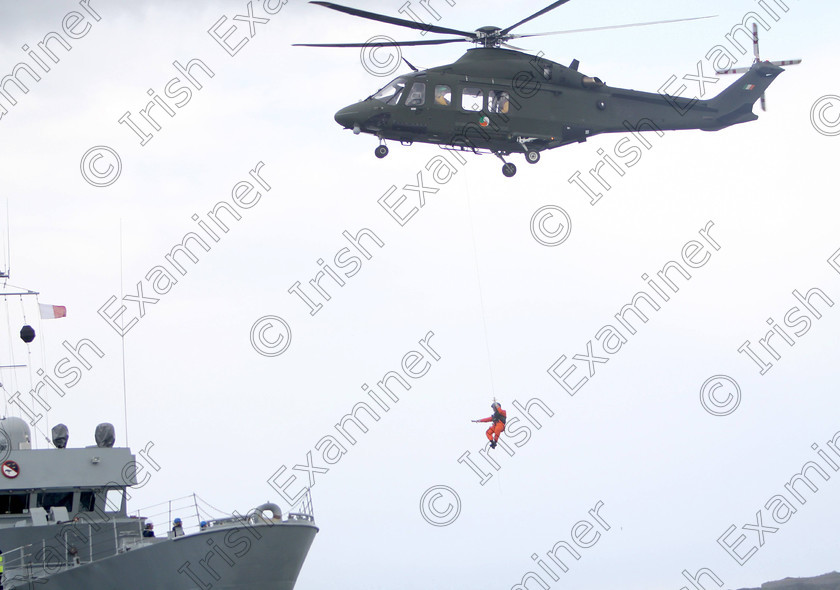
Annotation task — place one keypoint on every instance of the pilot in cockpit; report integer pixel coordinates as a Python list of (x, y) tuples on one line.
[(415, 97)]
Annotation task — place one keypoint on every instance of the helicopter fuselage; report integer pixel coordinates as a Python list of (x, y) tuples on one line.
[(506, 102)]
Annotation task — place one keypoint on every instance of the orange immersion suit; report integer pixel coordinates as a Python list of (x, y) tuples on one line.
[(497, 427)]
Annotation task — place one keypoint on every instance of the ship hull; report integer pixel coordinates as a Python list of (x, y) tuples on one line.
[(267, 557)]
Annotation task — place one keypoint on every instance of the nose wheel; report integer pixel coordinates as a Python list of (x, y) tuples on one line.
[(381, 151), (508, 168)]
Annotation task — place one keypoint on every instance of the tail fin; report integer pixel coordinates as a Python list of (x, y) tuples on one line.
[(735, 103)]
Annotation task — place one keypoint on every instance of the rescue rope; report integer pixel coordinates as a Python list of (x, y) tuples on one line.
[(480, 291)]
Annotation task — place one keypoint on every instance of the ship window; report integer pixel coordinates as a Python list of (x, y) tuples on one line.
[(392, 92), (14, 503), (113, 500), (87, 501), (498, 102), (417, 95), (47, 500), (472, 99), (443, 95)]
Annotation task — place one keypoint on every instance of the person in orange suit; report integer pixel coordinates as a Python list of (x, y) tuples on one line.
[(497, 427)]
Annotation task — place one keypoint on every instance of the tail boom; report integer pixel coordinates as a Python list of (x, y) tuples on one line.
[(735, 103)]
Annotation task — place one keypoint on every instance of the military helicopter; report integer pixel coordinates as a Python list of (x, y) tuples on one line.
[(503, 101)]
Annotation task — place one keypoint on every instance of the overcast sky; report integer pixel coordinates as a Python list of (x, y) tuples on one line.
[(669, 477)]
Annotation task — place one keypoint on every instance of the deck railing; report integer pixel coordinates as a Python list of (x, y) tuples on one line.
[(193, 510), (74, 545), (303, 510), (78, 543)]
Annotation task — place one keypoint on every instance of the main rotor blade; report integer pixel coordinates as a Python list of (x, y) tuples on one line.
[(658, 22), (533, 16), (394, 21), (384, 43)]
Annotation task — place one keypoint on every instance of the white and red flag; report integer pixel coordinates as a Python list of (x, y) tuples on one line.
[(51, 312)]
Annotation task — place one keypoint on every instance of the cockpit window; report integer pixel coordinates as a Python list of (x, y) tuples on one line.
[(392, 92), (472, 99), (417, 95)]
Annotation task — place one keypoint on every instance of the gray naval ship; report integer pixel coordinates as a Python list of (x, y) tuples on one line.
[(64, 526)]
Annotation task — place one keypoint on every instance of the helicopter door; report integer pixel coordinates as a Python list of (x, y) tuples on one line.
[(499, 110), (492, 118), (416, 117), (469, 114)]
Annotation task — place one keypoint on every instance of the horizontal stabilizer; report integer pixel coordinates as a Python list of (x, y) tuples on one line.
[(735, 103), (734, 71), (784, 62)]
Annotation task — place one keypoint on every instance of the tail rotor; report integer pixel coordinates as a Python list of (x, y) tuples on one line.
[(786, 62)]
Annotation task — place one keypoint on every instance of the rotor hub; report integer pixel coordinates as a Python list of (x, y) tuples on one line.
[(489, 37)]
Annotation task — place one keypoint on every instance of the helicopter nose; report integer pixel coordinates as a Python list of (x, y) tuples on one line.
[(347, 117)]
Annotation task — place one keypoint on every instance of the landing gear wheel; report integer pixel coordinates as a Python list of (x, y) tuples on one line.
[(509, 169), (381, 151), (532, 157)]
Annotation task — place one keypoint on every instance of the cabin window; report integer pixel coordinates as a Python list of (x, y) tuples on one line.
[(87, 501), (14, 503), (392, 92), (47, 500), (498, 102), (472, 99), (417, 95), (443, 95)]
